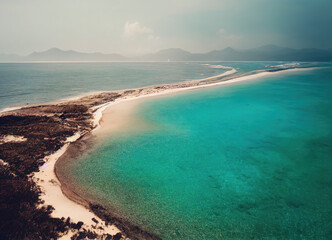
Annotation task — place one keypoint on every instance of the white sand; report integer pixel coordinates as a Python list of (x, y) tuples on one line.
[(53, 195)]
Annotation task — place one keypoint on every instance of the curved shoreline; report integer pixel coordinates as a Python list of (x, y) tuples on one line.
[(80, 146), (74, 193), (97, 104)]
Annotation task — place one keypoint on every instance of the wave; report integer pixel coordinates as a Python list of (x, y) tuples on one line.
[(218, 66), (292, 64)]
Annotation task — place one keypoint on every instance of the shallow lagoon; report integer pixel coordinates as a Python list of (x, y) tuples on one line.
[(252, 160)]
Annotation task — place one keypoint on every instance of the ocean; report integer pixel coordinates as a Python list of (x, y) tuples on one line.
[(33, 83), (246, 161), (251, 160)]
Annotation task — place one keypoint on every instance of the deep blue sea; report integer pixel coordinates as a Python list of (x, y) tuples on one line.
[(246, 161), (31, 83)]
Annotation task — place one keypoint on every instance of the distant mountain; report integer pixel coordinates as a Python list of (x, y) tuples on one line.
[(55, 54), (270, 53), (264, 53), (171, 54), (10, 58)]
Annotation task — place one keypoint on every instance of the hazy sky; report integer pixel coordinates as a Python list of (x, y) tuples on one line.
[(141, 26)]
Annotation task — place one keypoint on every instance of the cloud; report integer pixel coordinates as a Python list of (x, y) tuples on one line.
[(134, 30)]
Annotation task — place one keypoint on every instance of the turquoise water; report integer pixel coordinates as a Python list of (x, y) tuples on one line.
[(29, 83), (252, 160), (247, 161)]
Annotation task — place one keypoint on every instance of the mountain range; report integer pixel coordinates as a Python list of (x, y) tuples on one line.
[(264, 53)]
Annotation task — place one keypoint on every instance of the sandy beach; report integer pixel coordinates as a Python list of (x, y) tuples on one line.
[(111, 112)]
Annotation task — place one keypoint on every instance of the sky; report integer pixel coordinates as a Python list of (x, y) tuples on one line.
[(134, 27)]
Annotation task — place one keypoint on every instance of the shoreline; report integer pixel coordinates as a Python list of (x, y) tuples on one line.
[(49, 180), (69, 190)]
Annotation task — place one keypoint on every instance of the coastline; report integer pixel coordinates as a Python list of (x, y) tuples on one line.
[(82, 145), (55, 190), (54, 195)]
